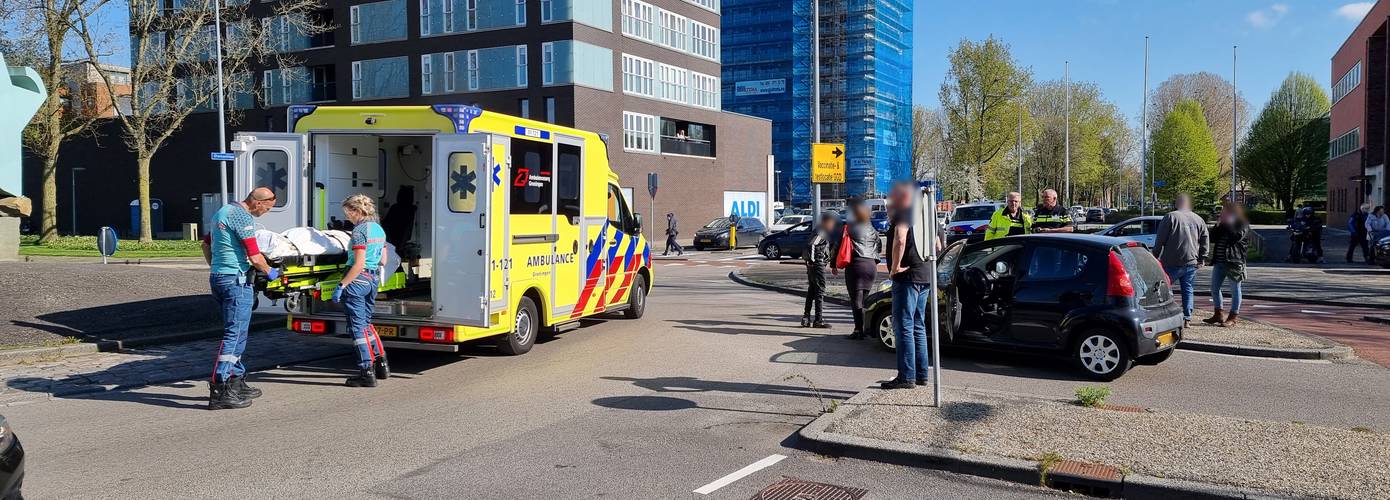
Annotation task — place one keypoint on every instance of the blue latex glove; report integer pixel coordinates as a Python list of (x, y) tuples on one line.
[(273, 275), (338, 293)]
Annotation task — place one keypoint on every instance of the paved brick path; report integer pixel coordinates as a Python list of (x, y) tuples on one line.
[(24, 382)]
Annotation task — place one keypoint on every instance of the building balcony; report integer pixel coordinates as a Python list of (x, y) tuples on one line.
[(686, 146)]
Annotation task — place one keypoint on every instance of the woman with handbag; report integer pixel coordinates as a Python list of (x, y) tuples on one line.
[(1229, 240), (857, 253)]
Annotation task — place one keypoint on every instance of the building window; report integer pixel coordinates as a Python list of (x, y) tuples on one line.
[(1348, 82), (704, 41), (520, 12), (448, 16), (687, 138), (426, 74), (356, 80), (523, 107), (425, 17), (521, 77), (1347, 143), (673, 83), (547, 11), (384, 78), (449, 72), (550, 110), (704, 91), (472, 70), (375, 22), (355, 20), (639, 132), (638, 77), (673, 30), (710, 5), (470, 21), (547, 63), (638, 18)]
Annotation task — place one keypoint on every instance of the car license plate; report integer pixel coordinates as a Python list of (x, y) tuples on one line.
[(387, 331), (1165, 339)]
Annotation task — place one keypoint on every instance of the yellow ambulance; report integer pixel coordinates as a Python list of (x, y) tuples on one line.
[(504, 227)]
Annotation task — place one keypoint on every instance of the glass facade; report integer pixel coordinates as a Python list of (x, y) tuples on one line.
[(377, 22), (866, 68), (381, 78), (573, 62), (595, 13)]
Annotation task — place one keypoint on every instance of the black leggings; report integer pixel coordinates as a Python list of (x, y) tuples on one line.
[(856, 307)]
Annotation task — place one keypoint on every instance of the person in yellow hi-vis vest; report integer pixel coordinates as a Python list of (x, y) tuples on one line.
[(1010, 219), (733, 231)]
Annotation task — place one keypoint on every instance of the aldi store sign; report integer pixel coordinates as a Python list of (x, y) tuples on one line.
[(746, 204)]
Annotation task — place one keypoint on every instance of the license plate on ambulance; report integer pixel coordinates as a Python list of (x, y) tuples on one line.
[(388, 331)]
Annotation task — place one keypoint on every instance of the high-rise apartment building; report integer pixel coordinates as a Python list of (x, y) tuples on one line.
[(866, 86)]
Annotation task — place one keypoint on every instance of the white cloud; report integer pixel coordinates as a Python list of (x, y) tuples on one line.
[(1268, 17), (1354, 11)]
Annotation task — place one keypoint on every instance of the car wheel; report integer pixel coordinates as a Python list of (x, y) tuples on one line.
[(881, 327), (637, 299), (1102, 355), (772, 251), (524, 329), (1154, 359)]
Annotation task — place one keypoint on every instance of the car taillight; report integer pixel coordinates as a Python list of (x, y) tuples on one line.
[(1119, 284), (437, 335), (310, 326)]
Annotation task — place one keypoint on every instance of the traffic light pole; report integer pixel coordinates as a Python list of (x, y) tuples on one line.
[(815, 97)]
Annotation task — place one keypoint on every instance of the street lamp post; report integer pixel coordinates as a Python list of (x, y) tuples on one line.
[(75, 170), (1066, 76), (221, 100), (815, 96)]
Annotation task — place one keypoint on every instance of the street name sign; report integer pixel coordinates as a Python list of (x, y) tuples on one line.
[(827, 163), (219, 156)]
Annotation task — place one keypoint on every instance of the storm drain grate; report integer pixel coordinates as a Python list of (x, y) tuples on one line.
[(1130, 409), (1084, 478), (790, 488)]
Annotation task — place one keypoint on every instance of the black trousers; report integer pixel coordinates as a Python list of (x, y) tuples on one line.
[(1359, 240), (672, 245), (815, 291)]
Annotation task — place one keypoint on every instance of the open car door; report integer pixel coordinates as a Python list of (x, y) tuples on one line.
[(278, 161), (461, 205)]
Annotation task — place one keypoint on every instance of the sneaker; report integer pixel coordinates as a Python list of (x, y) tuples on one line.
[(820, 324), (897, 383), (921, 381), (805, 322)]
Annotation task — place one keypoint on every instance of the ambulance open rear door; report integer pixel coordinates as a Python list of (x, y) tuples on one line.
[(461, 208), (278, 161)]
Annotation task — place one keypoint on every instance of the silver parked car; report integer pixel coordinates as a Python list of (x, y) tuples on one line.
[(1141, 229)]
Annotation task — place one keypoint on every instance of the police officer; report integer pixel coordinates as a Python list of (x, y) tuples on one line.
[(1049, 217), (230, 250), (1010, 219)]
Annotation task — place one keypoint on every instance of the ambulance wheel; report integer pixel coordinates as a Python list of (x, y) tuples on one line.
[(524, 329), (637, 299), (383, 370)]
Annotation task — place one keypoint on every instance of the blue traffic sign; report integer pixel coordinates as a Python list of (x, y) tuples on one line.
[(1160, 183), (219, 156)]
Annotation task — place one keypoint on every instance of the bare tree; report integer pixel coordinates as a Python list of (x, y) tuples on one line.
[(46, 30), (173, 71), (1214, 94)]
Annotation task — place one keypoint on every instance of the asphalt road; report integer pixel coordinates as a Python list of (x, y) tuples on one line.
[(709, 382)]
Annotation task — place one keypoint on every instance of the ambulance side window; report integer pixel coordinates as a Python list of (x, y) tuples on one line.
[(618, 214), (567, 167), (531, 177)]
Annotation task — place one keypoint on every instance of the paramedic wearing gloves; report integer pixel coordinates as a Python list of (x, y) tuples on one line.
[(231, 251), (357, 291)]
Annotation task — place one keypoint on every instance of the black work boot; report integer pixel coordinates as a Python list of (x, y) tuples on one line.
[(221, 396), (366, 377), (245, 391)]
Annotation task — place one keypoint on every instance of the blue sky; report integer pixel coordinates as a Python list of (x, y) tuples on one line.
[(1104, 40)]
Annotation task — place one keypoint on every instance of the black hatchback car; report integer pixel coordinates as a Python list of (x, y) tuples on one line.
[(1102, 302), (716, 234), (11, 462), (789, 242)]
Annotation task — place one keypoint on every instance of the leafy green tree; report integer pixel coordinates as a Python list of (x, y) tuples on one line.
[(1099, 142), (1185, 159), (983, 99), (1285, 153)]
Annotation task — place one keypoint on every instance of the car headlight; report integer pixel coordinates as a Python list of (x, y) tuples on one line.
[(885, 286), (6, 434)]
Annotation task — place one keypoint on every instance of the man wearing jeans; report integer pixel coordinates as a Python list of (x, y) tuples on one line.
[(911, 275), (1180, 244), (230, 249)]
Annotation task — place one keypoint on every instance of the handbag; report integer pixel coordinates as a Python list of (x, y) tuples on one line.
[(845, 250)]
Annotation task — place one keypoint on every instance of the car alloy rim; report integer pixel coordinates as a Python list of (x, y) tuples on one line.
[(885, 331), (771, 251), (1099, 354), (523, 326)]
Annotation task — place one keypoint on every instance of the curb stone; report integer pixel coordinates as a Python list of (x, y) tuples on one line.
[(1328, 353), (1288, 300), (40, 353), (817, 438)]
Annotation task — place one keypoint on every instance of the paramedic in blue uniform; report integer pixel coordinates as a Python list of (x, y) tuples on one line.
[(230, 250), (357, 291)]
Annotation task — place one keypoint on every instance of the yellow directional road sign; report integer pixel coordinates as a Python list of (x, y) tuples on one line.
[(827, 163)]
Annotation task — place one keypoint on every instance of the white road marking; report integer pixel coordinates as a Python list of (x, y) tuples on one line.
[(740, 474), (1310, 311), (1263, 306), (675, 263), (702, 265)]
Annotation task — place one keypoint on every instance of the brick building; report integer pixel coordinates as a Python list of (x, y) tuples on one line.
[(87, 93), (1357, 153)]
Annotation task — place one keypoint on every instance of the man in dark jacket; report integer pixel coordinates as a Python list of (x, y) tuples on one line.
[(1356, 225), (817, 257), (671, 233)]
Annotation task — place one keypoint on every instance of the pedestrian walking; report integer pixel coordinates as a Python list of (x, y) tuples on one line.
[(1378, 224), (862, 267), (1180, 245), (817, 257), (911, 278), (357, 289), (231, 252), (1229, 239), (671, 233), (1360, 237)]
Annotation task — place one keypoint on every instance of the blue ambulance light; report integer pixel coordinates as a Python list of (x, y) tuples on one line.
[(460, 114)]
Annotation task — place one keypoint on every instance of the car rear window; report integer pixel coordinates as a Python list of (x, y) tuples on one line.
[(1144, 272)]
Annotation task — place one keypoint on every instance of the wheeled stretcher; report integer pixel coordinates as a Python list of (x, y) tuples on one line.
[(314, 261)]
